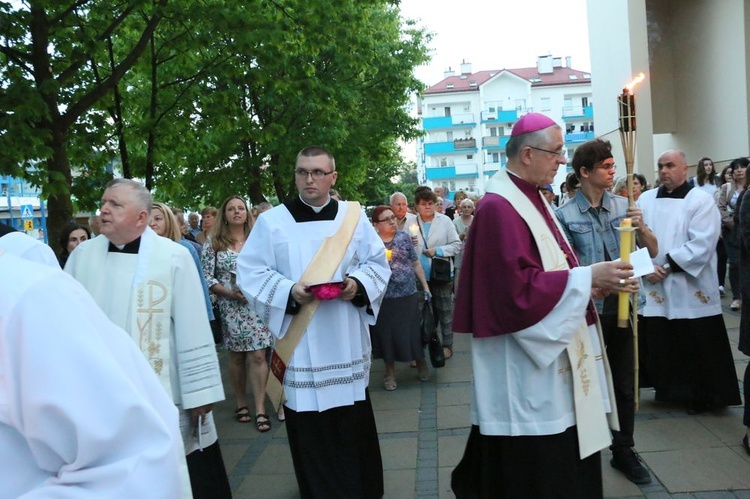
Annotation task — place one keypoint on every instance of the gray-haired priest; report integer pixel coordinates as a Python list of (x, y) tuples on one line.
[(149, 286)]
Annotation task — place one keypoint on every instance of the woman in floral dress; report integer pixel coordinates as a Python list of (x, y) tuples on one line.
[(245, 335)]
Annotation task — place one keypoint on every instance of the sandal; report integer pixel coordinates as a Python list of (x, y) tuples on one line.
[(242, 415), (389, 383), (447, 352), (424, 372), (262, 425)]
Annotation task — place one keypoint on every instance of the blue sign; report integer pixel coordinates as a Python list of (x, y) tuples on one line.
[(27, 211)]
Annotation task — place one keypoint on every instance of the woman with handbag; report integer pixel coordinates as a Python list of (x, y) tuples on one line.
[(396, 335), (245, 335), (437, 241), (728, 196)]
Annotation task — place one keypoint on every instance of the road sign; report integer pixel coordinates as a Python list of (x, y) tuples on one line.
[(28, 224), (27, 211)]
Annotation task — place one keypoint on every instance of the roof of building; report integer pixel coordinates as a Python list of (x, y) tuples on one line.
[(471, 82)]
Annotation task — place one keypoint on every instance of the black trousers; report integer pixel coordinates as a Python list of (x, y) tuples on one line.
[(619, 344), (208, 477), (336, 453)]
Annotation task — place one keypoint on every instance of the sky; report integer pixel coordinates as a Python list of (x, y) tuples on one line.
[(497, 34)]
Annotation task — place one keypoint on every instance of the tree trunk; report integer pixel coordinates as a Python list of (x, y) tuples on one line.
[(59, 205)]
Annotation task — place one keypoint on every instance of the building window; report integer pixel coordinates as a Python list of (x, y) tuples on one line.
[(449, 136), (585, 102), (443, 161), (469, 156), (495, 157), (546, 106), (493, 131), (447, 111)]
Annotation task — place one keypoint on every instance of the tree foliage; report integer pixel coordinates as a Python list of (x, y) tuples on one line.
[(204, 98)]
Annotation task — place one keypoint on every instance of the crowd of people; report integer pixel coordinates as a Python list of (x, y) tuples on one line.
[(307, 293)]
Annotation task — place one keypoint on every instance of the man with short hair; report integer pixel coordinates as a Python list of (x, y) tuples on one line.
[(690, 359), (329, 420), (542, 394), (400, 207), (194, 224), (149, 286), (590, 221), (447, 203)]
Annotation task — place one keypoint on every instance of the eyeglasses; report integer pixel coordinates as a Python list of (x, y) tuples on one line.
[(316, 174), (389, 219), (562, 153), (606, 167)]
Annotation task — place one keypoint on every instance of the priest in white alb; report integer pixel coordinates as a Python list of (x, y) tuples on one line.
[(149, 286), (543, 401), (315, 271)]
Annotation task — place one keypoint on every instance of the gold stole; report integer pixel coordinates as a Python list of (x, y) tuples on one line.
[(591, 420), (320, 269)]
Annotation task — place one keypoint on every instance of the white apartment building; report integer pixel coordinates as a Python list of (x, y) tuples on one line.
[(695, 55), (468, 118)]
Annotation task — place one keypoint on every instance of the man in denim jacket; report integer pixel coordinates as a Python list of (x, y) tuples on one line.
[(590, 220)]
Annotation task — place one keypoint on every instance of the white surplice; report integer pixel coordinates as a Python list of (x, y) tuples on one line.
[(687, 229), (331, 364), (194, 375), (82, 414)]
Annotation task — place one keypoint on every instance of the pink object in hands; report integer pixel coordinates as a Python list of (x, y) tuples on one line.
[(327, 291)]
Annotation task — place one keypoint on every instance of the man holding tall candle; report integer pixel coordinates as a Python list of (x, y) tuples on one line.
[(542, 399), (590, 220), (689, 355)]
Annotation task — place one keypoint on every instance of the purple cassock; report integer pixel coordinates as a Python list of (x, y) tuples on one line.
[(503, 287)]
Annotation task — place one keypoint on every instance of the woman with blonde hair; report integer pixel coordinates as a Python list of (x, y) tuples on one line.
[(165, 224), (245, 335)]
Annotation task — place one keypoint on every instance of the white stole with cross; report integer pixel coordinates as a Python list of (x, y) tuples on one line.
[(591, 419)]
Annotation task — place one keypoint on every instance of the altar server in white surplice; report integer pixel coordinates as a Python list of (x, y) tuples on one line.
[(81, 412), (331, 428), (149, 286)]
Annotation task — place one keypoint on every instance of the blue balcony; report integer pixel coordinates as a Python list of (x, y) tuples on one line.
[(454, 146), (451, 172), (578, 113), (578, 137), (464, 120), (500, 116)]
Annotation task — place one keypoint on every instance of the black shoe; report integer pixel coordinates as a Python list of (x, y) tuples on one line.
[(630, 464), (745, 444)]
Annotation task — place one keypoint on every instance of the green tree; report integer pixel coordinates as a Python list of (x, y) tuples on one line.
[(50, 51)]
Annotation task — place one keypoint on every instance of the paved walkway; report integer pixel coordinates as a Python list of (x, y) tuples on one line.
[(423, 429)]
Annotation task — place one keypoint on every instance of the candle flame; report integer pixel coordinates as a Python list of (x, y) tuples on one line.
[(635, 81)]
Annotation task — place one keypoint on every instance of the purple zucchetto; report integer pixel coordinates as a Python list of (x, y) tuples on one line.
[(532, 122)]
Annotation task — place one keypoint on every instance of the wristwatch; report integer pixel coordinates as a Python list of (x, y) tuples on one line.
[(667, 268)]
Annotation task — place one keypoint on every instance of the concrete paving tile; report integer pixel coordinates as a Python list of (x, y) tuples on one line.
[(231, 454), (695, 470), (397, 420), (401, 398), (399, 453), (444, 483), (278, 486), (453, 416), (672, 434), (614, 483), (717, 494), (740, 364), (725, 424), (451, 450), (452, 374), (275, 459), (399, 484), (454, 395)]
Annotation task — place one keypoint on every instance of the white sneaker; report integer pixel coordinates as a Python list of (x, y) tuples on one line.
[(721, 291), (736, 305)]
